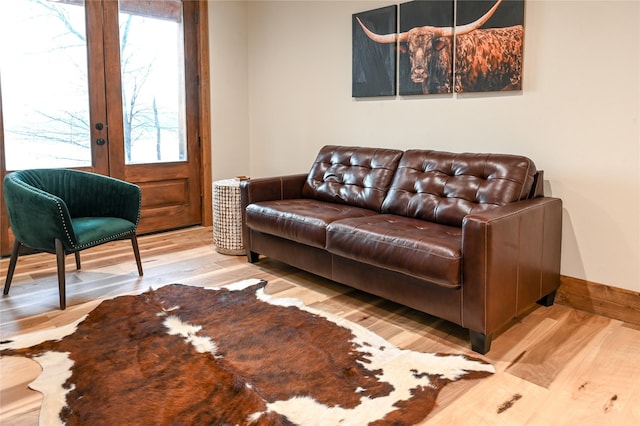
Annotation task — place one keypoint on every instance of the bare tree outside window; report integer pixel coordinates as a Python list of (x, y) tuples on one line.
[(43, 75), (152, 88)]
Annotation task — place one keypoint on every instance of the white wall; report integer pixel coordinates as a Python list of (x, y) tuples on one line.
[(229, 91), (577, 116)]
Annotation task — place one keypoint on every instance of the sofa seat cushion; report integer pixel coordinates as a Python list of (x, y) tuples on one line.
[(411, 246), (302, 220)]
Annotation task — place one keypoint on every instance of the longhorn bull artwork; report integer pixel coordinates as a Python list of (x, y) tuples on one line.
[(488, 48)]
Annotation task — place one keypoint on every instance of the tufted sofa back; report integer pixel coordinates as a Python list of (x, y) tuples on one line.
[(444, 187), (352, 175)]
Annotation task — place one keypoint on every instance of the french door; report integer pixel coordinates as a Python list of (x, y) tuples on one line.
[(110, 87)]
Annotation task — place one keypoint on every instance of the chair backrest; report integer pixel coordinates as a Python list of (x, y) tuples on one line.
[(42, 202)]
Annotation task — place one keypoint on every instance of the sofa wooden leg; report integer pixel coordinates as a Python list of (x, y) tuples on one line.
[(480, 342), (252, 256), (548, 299)]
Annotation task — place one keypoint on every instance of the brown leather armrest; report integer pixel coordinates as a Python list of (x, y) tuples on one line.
[(271, 188), (511, 259), (267, 189)]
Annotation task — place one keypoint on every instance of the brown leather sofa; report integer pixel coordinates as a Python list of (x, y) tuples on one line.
[(469, 238)]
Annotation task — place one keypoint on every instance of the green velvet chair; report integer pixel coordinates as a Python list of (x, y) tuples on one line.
[(65, 211)]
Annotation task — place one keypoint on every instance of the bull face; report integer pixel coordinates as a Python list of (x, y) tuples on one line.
[(424, 46)]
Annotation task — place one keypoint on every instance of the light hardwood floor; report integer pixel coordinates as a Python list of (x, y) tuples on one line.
[(555, 366)]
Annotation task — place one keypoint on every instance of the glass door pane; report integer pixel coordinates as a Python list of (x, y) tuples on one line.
[(153, 82), (43, 73)]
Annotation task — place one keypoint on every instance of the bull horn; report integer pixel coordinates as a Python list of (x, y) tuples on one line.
[(465, 29), (387, 38)]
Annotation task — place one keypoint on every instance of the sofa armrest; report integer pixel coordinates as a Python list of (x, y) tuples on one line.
[(272, 188), (267, 189), (511, 259)]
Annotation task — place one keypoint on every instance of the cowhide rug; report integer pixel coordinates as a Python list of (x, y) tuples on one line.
[(232, 355)]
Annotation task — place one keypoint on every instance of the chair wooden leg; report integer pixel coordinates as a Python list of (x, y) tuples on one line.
[(61, 278), (15, 252), (77, 254), (136, 252)]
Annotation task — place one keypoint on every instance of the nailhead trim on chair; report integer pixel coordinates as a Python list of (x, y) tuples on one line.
[(139, 210), (103, 240), (64, 225)]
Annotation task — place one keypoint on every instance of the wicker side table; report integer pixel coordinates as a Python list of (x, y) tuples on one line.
[(227, 217)]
